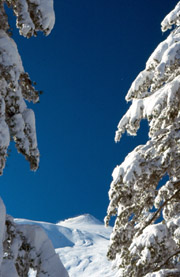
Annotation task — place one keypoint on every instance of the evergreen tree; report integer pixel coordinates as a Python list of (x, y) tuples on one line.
[(146, 234), (23, 248)]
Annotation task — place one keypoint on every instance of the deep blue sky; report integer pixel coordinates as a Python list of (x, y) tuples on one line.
[(85, 68)]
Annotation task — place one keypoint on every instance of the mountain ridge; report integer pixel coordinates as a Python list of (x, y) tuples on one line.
[(81, 243)]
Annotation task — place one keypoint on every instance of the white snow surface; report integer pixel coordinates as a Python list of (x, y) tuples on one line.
[(81, 243), (171, 19), (43, 18)]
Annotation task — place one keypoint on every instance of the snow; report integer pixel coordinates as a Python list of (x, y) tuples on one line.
[(8, 269), (148, 108), (32, 272), (161, 52), (81, 243), (47, 10), (137, 243), (9, 52), (2, 227), (42, 256), (34, 15), (29, 120), (161, 67), (16, 120), (163, 272), (171, 19)]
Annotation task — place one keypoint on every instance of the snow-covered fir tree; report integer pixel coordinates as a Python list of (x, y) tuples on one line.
[(146, 235), (23, 248)]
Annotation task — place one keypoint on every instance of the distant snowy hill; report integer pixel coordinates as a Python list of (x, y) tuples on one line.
[(81, 243)]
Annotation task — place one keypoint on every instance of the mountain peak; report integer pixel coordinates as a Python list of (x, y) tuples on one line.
[(81, 243), (85, 219)]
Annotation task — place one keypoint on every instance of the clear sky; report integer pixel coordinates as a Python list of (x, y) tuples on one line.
[(84, 68)]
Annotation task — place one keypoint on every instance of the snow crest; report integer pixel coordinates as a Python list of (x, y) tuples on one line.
[(81, 243)]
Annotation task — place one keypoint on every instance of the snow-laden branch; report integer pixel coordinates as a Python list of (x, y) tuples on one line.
[(164, 263), (33, 16), (16, 119), (151, 108), (158, 211), (139, 245), (161, 68), (25, 248), (173, 18)]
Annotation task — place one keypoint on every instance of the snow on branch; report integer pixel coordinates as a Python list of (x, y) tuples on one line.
[(140, 245), (173, 18), (134, 175), (161, 68), (16, 120), (155, 239), (150, 108), (26, 248), (33, 16), (23, 249)]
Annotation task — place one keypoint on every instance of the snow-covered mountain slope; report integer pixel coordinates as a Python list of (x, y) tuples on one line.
[(81, 243)]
